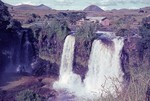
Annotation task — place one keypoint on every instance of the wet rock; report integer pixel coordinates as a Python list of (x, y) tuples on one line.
[(43, 67), (80, 69), (81, 56)]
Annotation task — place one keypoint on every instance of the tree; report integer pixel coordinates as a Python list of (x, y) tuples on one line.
[(87, 30)]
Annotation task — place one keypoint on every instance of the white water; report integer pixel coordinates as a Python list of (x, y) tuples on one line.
[(68, 79), (104, 72)]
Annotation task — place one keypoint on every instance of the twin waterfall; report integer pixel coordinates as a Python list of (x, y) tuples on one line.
[(104, 69)]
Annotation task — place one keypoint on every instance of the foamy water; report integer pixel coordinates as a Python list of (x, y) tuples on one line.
[(104, 74)]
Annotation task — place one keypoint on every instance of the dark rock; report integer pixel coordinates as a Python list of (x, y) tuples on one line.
[(130, 56), (8, 43), (43, 67), (80, 70), (81, 57)]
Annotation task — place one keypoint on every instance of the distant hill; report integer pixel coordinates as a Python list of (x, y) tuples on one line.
[(93, 8), (146, 8), (24, 7), (43, 7), (29, 7), (8, 5)]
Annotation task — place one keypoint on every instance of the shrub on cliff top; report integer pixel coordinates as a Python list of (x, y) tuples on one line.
[(87, 30)]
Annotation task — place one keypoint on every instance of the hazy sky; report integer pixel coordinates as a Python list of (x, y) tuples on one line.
[(81, 4)]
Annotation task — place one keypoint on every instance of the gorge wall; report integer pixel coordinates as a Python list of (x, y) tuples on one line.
[(16, 43)]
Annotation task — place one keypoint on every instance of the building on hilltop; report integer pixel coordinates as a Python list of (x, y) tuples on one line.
[(105, 22), (102, 20)]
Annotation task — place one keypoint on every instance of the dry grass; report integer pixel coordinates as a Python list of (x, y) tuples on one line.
[(135, 91)]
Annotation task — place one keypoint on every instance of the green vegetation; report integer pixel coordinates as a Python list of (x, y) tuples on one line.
[(70, 17), (57, 27), (28, 95), (87, 30)]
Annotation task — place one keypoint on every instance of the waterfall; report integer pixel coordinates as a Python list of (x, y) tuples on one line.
[(21, 54), (104, 73), (27, 51), (20, 35), (24, 56), (67, 79), (15, 52)]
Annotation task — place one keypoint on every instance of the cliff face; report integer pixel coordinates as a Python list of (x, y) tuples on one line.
[(50, 47), (4, 21), (13, 41), (81, 56)]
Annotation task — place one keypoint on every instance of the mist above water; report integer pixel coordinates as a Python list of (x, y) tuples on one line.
[(104, 70), (67, 78)]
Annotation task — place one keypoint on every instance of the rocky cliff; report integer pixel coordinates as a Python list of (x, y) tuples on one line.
[(13, 40)]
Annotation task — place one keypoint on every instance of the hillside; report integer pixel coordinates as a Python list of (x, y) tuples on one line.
[(93, 8), (28, 7), (8, 5), (43, 7), (31, 7)]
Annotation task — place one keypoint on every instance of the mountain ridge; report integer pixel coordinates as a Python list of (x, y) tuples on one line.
[(29, 7)]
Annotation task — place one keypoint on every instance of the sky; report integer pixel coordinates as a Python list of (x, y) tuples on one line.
[(81, 4)]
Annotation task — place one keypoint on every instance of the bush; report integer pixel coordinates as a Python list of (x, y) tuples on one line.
[(145, 41), (87, 30), (14, 24), (28, 95), (36, 31), (75, 16)]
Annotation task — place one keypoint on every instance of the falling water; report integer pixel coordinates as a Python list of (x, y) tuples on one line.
[(11, 65), (27, 50), (67, 79), (104, 70), (19, 48), (104, 73), (15, 54)]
